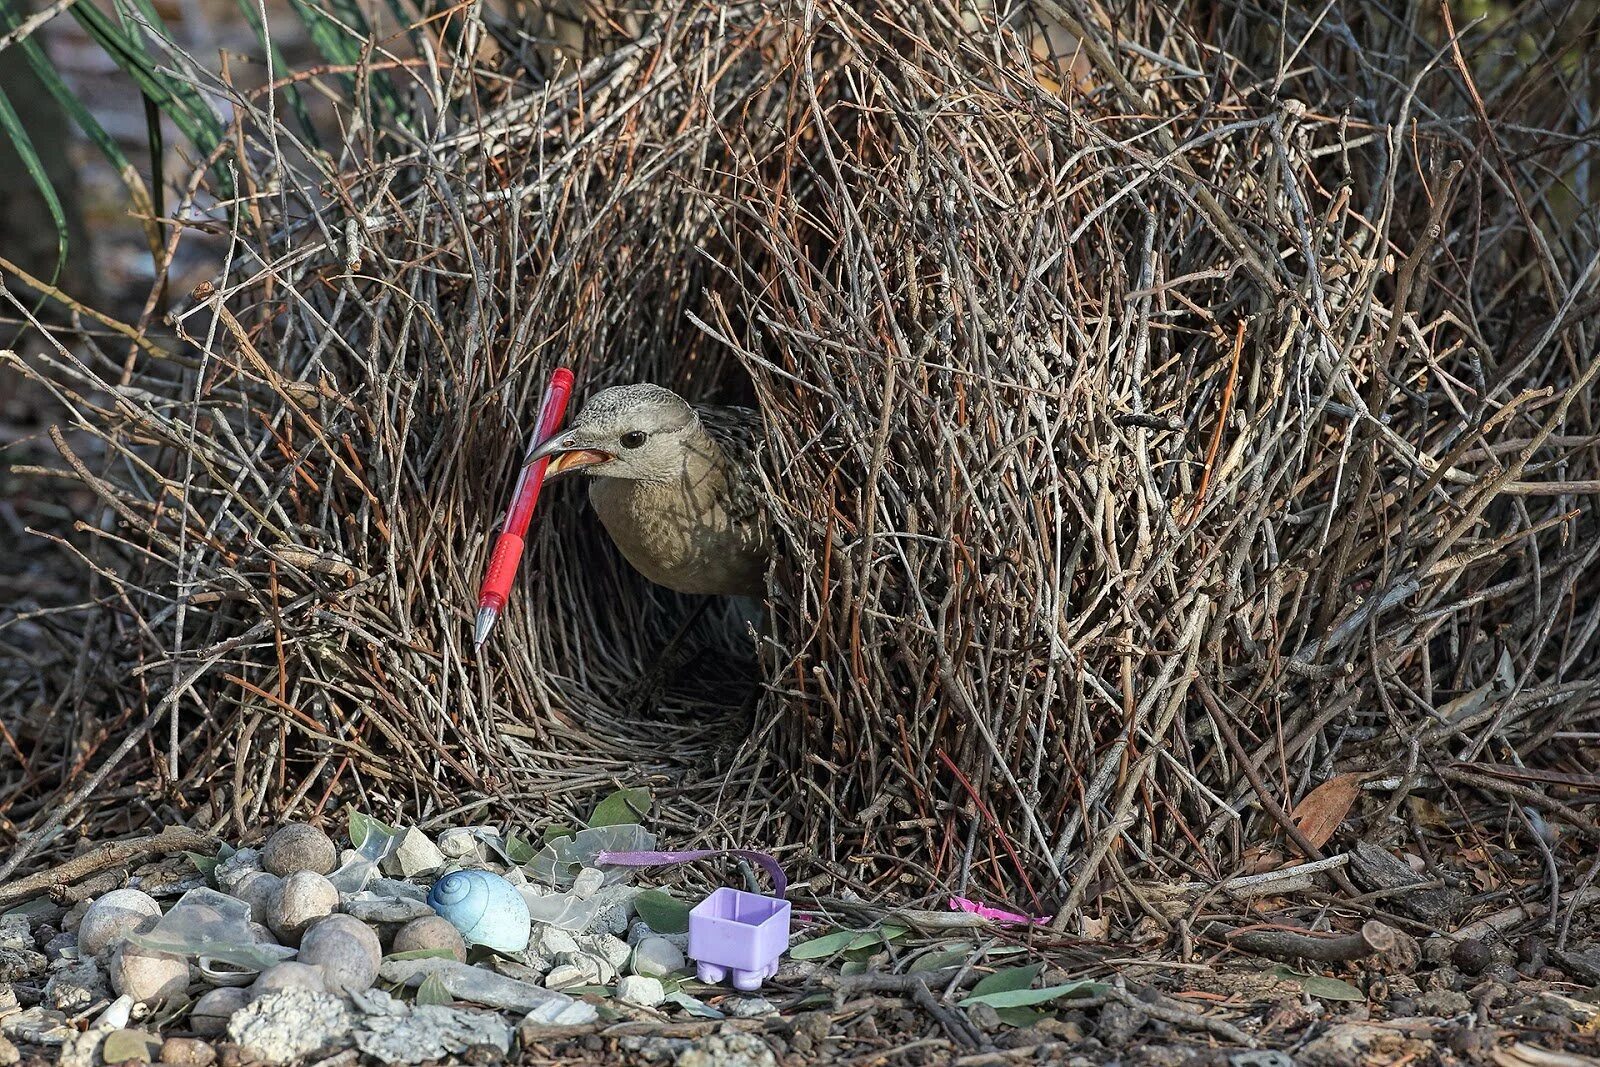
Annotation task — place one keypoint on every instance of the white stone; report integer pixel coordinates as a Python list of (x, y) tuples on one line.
[(641, 991), (656, 957), (752, 1008), (430, 1032), (590, 881), (461, 843), (728, 1050), (563, 975), (211, 1012), (416, 855), (147, 976), (554, 942), (613, 950), (256, 888), (595, 970), (284, 1026)]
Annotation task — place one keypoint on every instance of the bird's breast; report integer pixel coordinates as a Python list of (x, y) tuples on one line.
[(684, 540)]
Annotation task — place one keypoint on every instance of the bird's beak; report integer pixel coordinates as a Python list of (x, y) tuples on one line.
[(565, 456)]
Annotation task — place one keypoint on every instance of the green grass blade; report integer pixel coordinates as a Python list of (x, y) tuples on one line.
[(280, 67), (176, 100), (11, 124), (53, 83), (340, 46)]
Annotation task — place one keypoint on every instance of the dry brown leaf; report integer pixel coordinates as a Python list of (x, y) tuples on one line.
[(1261, 858), (1319, 814)]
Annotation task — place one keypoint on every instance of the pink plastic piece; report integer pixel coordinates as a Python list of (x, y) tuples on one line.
[(741, 934), (997, 914)]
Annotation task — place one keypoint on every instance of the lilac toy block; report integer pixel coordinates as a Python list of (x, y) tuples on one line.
[(738, 933)]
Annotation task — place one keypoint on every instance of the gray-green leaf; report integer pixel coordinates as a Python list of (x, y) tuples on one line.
[(662, 913), (1008, 979), (694, 1006), (204, 864), (1022, 998), (1321, 987), (844, 941), (519, 851), (432, 991), (621, 808)]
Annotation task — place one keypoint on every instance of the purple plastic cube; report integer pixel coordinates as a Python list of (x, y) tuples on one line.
[(738, 933)]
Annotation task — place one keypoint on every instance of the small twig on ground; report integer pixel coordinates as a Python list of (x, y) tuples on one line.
[(1181, 1017), (1372, 938), (953, 1022), (111, 854), (93, 887)]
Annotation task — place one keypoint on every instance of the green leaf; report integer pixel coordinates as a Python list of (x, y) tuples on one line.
[(694, 1006), (553, 834), (1322, 987), (11, 124), (206, 865), (844, 941), (519, 851), (1008, 979), (940, 958), (662, 913), (1021, 1017), (853, 967), (422, 954), (432, 991), (175, 98), (279, 66), (1022, 998), (621, 808)]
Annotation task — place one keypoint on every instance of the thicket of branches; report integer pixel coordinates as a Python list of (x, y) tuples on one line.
[(1166, 412)]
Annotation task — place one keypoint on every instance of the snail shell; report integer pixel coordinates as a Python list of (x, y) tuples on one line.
[(486, 908)]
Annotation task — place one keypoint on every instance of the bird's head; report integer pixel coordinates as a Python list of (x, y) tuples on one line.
[(637, 432)]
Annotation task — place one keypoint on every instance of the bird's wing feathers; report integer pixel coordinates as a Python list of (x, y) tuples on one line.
[(738, 432)]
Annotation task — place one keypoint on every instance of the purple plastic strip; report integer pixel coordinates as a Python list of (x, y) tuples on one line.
[(768, 863)]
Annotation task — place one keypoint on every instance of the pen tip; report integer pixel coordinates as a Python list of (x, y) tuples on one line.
[(481, 628)]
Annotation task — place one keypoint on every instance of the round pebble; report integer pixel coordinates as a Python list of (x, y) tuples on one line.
[(147, 976), (346, 949), (1471, 957), (187, 1052), (256, 889), (211, 1012), (297, 847), (431, 932), (289, 975), (302, 899), (114, 916)]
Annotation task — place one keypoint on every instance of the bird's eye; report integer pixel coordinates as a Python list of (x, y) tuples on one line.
[(633, 439)]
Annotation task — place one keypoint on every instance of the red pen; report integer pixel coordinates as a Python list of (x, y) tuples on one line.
[(508, 546)]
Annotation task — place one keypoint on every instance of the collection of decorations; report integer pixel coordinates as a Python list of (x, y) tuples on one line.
[(298, 935)]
